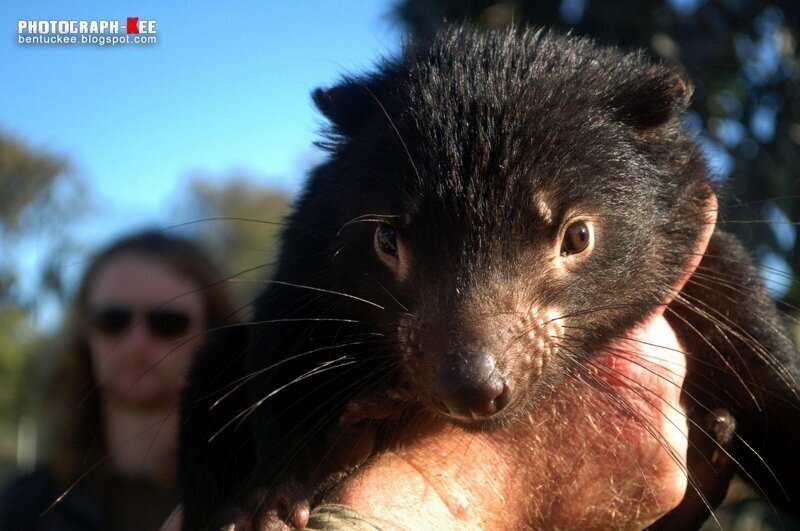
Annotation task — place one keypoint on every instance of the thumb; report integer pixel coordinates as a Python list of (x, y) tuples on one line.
[(709, 223)]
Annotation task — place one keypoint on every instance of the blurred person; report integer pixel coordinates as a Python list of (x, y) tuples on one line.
[(140, 314)]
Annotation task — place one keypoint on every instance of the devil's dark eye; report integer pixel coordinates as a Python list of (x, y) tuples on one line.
[(576, 238), (386, 240)]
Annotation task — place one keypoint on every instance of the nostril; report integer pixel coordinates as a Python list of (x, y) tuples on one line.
[(441, 406), (501, 400), (491, 403), (468, 386)]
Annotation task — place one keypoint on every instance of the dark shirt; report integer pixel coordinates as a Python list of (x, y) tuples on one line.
[(120, 505)]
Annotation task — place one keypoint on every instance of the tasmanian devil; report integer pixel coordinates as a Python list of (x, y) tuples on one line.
[(495, 208)]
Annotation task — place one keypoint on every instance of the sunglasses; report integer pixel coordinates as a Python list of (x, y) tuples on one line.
[(161, 323)]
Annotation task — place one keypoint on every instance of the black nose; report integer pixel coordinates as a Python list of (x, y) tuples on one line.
[(468, 386)]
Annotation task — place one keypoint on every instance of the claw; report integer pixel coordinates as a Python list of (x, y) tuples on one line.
[(711, 470), (281, 508), (292, 505)]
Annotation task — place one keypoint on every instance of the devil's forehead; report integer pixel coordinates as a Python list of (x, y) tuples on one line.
[(517, 105), (481, 114)]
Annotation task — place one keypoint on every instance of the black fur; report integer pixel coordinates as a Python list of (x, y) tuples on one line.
[(452, 145)]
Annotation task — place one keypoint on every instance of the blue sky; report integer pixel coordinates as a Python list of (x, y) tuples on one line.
[(226, 88)]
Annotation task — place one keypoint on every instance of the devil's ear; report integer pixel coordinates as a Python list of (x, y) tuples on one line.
[(650, 100), (347, 104)]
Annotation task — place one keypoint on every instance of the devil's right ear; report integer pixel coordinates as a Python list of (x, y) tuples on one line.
[(348, 104)]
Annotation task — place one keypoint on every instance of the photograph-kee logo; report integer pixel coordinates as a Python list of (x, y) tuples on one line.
[(135, 27), (97, 32)]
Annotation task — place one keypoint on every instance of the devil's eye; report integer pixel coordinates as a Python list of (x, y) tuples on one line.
[(386, 240), (577, 238)]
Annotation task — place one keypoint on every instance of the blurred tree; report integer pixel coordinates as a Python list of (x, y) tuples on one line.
[(241, 220), (40, 196), (27, 177), (743, 59)]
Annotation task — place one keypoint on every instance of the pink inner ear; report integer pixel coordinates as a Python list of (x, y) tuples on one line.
[(710, 211), (683, 91)]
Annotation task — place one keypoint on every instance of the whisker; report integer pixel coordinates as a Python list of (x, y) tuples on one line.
[(322, 290), (323, 367), (237, 384), (396, 131), (725, 324), (367, 218)]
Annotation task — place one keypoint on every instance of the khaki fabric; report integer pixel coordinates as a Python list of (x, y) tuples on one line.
[(333, 516)]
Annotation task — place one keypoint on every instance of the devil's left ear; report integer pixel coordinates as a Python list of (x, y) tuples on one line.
[(650, 100)]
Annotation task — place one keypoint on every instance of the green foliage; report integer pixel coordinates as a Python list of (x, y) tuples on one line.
[(39, 197), (743, 59), (17, 341)]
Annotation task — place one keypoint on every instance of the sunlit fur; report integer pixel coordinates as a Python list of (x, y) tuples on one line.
[(479, 150)]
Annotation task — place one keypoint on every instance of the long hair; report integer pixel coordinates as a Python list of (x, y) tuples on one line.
[(78, 441)]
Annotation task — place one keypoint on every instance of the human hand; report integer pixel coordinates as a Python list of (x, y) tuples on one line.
[(605, 449)]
